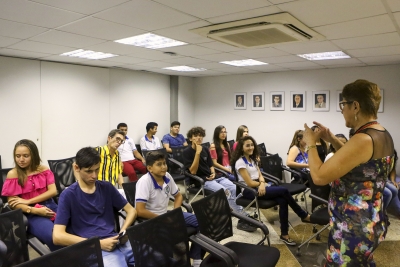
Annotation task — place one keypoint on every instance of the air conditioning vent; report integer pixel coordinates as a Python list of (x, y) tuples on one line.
[(260, 31)]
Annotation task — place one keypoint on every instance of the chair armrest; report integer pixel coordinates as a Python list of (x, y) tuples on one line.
[(216, 249), (319, 198), (246, 187), (286, 168), (221, 171), (38, 246), (185, 205), (271, 178), (197, 178), (174, 161)]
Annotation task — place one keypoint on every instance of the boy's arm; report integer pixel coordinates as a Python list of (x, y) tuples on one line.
[(143, 212), (62, 238), (131, 215), (196, 160), (178, 200), (137, 155)]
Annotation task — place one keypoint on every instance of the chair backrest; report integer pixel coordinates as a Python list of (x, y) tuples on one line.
[(161, 241), (139, 149), (63, 172), (130, 191), (85, 253), (188, 142), (272, 165), (319, 191), (206, 145), (214, 216), (13, 235), (177, 153), (3, 178), (231, 142), (262, 150)]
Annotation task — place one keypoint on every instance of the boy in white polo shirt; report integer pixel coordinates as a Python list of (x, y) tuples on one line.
[(152, 195)]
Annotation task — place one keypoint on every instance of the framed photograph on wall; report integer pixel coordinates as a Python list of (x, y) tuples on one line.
[(339, 99), (298, 101), (320, 100), (277, 100), (380, 110), (239, 101), (257, 101)]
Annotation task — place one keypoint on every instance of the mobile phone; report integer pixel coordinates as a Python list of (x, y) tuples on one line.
[(120, 235), (123, 237)]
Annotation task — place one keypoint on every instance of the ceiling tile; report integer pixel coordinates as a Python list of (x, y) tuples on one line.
[(21, 54), (386, 39), (381, 60), (126, 60), (100, 63), (276, 2), (6, 41), (235, 70), (61, 59), (115, 48), (258, 12), (220, 46), (182, 33), (376, 51), (211, 8), (211, 65), (261, 52), (266, 68), (79, 6), (19, 30), (132, 14), (101, 29), (361, 27), (344, 61), (394, 5), (222, 57), (346, 65), (317, 13), (156, 64), (41, 47), (36, 14), (67, 39), (283, 59), (189, 50), (307, 47), (293, 65), (185, 60)]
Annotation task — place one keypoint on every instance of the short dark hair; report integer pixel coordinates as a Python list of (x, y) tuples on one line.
[(151, 125), (196, 131), (122, 124), (114, 132), (87, 157), (175, 123), (153, 156)]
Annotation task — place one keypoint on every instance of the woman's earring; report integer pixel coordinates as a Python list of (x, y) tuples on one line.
[(355, 117)]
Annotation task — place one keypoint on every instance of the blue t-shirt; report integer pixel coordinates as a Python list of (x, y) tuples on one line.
[(179, 140), (89, 215)]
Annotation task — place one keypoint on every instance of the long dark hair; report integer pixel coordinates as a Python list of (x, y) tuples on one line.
[(238, 152), (217, 144), (35, 160)]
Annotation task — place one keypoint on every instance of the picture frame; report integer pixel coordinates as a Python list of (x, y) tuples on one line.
[(277, 100), (320, 101), (338, 100), (380, 110), (257, 101), (298, 101), (239, 101)]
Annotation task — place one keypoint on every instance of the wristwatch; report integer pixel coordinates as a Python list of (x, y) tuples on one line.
[(28, 210)]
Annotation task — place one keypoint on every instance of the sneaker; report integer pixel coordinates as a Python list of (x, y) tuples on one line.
[(244, 226), (288, 241)]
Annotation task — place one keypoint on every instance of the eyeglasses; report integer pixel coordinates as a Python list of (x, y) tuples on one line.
[(224, 132), (341, 104), (119, 140)]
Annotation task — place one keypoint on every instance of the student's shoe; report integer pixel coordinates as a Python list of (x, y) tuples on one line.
[(288, 241), (244, 226)]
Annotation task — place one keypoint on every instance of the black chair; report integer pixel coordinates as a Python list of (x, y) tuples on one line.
[(3, 199), (206, 144), (1, 187), (139, 149), (85, 253), (319, 201), (262, 150), (13, 236), (63, 173), (163, 242), (231, 142), (214, 216)]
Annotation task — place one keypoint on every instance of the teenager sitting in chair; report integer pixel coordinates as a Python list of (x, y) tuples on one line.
[(152, 195), (221, 152), (245, 165), (297, 156)]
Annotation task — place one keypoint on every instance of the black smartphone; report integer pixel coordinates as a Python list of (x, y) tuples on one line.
[(122, 234), (123, 237)]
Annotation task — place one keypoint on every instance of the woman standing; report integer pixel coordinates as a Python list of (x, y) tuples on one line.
[(30, 187), (359, 171)]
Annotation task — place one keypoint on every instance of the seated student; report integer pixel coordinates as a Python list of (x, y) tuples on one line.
[(241, 131), (30, 187), (86, 209), (198, 161), (297, 156), (130, 157), (245, 164), (152, 196), (174, 138), (221, 152), (391, 185), (150, 141)]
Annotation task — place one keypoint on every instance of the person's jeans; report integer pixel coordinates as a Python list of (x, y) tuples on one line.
[(191, 221), (283, 197), (387, 197), (121, 256), (229, 188), (394, 204)]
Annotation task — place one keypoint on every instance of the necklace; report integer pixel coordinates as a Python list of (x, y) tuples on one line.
[(365, 126)]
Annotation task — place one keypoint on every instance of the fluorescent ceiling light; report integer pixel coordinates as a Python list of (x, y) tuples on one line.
[(88, 54), (245, 62), (325, 55), (184, 68), (150, 40)]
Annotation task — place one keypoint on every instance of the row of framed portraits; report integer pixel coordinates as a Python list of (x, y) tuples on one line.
[(321, 101)]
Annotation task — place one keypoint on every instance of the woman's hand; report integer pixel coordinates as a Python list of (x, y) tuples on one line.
[(309, 136), (17, 200), (324, 132), (261, 189), (211, 177), (43, 211)]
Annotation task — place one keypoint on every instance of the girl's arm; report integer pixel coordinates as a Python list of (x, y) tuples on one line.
[(290, 161), (215, 163)]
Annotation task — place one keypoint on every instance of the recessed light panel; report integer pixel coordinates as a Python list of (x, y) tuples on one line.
[(325, 55), (245, 62), (150, 40), (184, 68), (88, 54)]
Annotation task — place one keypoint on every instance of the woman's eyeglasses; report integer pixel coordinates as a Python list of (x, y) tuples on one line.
[(341, 104)]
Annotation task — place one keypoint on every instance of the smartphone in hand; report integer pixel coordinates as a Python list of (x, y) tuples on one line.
[(123, 237)]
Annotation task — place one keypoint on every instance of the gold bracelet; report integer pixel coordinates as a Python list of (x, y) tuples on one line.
[(310, 147)]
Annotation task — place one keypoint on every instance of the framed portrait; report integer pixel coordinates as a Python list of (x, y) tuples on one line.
[(320, 100), (239, 101), (298, 101), (257, 101), (380, 110), (339, 99), (277, 100)]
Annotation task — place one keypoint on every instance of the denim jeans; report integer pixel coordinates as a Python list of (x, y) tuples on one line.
[(283, 197), (394, 204), (229, 188), (121, 256), (191, 221)]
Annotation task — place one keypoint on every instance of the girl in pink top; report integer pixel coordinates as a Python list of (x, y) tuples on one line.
[(220, 151), (30, 187)]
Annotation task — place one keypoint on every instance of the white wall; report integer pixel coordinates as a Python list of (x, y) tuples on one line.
[(215, 101), (185, 104)]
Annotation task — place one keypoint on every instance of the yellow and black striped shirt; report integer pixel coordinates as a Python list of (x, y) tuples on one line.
[(110, 167)]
